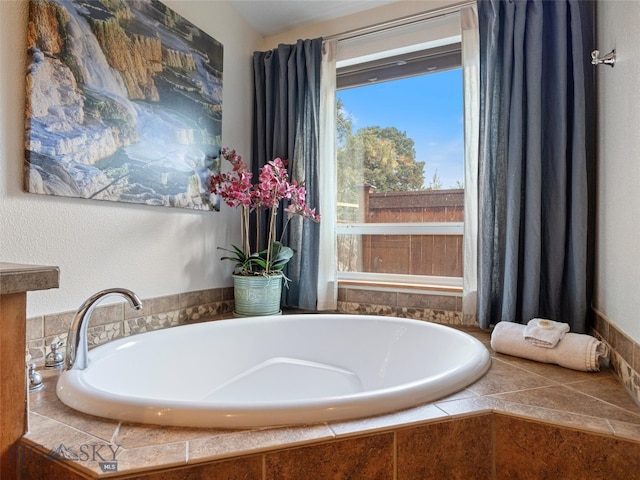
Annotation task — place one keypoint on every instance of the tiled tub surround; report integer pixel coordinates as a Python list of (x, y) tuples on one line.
[(523, 420), (447, 309), (117, 320), (625, 354), (444, 307)]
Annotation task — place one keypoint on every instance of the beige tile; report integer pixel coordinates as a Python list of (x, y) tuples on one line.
[(397, 419), (57, 324), (133, 460), (462, 394), (155, 305), (566, 399), (373, 297), (167, 303), (253, 441), (80, 447), (200, 297), (601, 325), (503, 377), (138, 435), (516, 388), (610, 390), (105, 314), (342, 294), (46, 404), (556, 417), (469, 406), (629, 431), (549, 371), (227, 293), (433, 302), (35, 328), (622, 344)]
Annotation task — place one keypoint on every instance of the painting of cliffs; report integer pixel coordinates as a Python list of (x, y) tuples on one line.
[(124, 103)]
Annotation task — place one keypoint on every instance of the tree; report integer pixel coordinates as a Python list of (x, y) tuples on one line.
[(435, 183), (344, 125), (382, 157)]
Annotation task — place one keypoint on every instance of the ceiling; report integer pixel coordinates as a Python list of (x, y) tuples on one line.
[(270, 17)]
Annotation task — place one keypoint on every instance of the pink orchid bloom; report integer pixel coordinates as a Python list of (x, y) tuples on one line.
[(236, 189)]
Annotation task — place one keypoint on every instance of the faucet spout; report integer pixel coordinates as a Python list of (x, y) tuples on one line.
[(77, 344)]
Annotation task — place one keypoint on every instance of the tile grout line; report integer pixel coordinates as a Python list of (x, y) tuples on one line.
[(116, 433), (602, 400), (520, 367), (395, 454)]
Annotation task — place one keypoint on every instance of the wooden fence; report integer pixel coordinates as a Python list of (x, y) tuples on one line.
[(439, 255)]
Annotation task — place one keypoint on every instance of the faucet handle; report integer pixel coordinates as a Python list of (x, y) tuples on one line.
[(35, 379), (55, 358)]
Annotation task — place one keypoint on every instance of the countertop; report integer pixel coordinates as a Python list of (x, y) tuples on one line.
[(17, 278)]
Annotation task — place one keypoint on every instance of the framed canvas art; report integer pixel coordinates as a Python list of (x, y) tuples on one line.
[(124, 103)]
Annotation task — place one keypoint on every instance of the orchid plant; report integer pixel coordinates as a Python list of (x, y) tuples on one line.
[(236, 189)]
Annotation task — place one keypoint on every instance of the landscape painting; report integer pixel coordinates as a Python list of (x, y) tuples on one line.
[(124, 103)]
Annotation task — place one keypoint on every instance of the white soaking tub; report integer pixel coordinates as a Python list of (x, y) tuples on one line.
[(265, 371)]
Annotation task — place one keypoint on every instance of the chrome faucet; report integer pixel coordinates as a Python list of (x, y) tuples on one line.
[(77, 344)]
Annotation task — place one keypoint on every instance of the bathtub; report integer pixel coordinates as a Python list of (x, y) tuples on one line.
[(280, 370)]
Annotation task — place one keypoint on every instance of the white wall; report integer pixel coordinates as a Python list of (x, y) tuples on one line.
[(158, 251), (618, 234), (355, 21), (154, 251)]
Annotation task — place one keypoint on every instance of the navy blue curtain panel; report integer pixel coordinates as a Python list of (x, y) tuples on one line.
[(537, 161), (286, 125)]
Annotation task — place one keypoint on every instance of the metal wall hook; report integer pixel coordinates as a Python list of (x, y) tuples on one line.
[(608, 59)]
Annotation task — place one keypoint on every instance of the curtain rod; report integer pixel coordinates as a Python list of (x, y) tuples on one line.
[(400, 22)]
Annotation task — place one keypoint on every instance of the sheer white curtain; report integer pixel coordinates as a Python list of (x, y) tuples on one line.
[(327, 282), (443, 30), (471, 78)]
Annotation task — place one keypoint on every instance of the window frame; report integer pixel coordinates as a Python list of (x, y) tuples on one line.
[(432, 60)]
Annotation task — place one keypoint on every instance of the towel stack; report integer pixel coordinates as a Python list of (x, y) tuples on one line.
[(549, 342), (545, 333)]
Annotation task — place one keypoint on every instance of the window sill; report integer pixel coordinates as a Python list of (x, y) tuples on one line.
[(410, 287)]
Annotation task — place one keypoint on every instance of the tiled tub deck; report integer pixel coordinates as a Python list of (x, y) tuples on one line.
[(522, 420)]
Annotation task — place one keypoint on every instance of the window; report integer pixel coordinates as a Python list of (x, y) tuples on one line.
[(400, 154)]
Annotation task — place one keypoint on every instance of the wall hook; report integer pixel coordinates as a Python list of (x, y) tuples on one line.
[(608, 59)]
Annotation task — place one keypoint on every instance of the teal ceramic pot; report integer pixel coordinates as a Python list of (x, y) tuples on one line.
[(257, 295)]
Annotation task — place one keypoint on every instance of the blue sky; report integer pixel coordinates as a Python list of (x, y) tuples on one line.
[(428, 108)]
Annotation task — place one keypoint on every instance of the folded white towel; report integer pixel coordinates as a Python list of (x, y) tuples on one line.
[(576, 351), (545, 333)]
